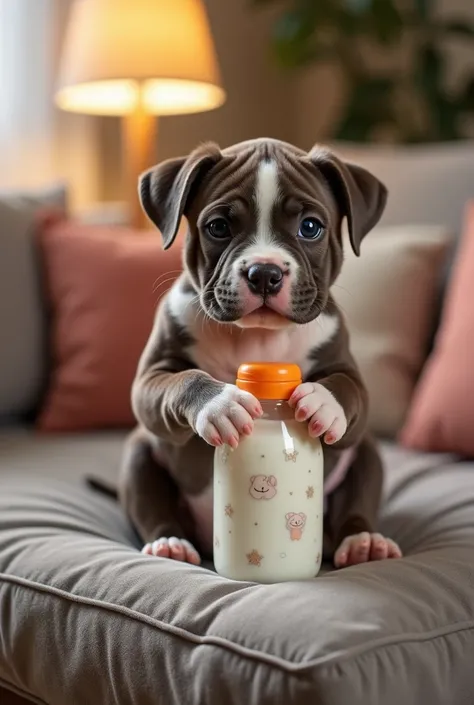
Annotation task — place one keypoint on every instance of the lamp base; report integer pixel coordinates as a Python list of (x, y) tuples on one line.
[(139, 137)]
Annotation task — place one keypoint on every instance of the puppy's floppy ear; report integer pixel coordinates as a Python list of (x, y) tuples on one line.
[(361, 196), (164, 190)]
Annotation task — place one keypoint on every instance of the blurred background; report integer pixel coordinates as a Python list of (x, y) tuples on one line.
[(358, 71)]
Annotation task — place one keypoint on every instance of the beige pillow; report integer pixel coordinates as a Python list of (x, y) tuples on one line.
[(388, 296)]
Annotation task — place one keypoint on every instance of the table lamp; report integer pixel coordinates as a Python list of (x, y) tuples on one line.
[(138, 59)]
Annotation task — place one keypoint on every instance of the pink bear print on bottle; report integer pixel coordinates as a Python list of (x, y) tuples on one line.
[(295, 524), (263, 486)]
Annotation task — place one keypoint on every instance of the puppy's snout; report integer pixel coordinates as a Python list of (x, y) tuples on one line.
[(265, 279)]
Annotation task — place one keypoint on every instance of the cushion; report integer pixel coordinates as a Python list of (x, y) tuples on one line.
[(103, 284), (429, 184), (388, 296), (22, 324), (122, 627), (442, 410)]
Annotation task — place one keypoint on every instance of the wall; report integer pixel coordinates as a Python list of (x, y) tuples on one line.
[(262, 99), (259, 96)]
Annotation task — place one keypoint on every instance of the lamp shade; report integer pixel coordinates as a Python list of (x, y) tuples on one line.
[(156, 53)]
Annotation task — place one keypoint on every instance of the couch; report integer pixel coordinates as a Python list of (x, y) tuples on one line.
[(86, 619)]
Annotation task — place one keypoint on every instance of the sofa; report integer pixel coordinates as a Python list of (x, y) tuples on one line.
[(85, 618)]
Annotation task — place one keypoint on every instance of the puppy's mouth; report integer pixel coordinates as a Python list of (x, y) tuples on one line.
[(226, 303), (263, 317)]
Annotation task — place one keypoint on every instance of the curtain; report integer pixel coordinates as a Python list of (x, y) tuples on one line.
[(39, 144)]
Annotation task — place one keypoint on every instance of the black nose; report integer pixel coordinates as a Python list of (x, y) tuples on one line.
[(265, 279)]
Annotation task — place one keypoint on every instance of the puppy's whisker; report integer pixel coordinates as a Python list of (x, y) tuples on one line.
[(162, 283), (169, 273), (191, 302), (342, 288)]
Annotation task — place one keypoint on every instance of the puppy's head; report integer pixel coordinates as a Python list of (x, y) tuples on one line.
[(264, 242)]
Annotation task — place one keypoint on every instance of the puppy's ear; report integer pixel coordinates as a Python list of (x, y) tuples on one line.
[(361, 196), (165, 189)]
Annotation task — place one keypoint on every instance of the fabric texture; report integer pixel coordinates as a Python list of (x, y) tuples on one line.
[(103, 284), (428, 184), (123, 627), (442, 409), (22, 321), (388, 296)]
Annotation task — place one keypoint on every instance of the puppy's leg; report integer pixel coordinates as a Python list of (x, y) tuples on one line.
[(150, 498), (353, 509)]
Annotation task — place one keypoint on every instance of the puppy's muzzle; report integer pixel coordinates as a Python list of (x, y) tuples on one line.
[(264, 279)]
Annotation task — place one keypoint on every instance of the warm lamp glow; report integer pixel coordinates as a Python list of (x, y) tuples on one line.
[(158, 54), (164, 96)]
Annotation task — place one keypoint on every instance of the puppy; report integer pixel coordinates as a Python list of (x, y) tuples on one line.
[(262, 251)]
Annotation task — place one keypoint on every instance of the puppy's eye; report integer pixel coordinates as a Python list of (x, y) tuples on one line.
[(311, 229), (218, 228)]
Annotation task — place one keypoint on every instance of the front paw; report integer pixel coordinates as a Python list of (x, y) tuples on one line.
[(228, 416), (314, 403)]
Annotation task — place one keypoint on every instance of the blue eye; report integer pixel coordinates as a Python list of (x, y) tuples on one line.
[(311, 229), (218, 228)]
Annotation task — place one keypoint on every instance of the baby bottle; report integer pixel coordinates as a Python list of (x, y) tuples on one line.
[(268, 492)]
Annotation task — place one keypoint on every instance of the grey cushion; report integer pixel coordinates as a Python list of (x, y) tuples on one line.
[(22, 321), (87, 619), (428, 184)]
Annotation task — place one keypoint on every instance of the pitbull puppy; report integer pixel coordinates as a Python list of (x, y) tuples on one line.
[(262, 251)]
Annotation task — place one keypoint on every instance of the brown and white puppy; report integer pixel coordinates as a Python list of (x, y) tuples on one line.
[(261, 254)]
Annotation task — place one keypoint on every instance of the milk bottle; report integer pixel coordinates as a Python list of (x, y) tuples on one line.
[(268, 492)]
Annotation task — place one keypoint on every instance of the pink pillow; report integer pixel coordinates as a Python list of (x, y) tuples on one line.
[(103, 284), (441, 416)]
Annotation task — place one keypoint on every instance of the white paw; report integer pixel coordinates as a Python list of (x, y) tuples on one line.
[(364, 547), (176, 549), (314, 403), (228, 416)]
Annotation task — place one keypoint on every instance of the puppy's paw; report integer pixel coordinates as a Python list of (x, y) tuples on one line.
[(364, 547), (228, 416), (315, 404), (176, 549)]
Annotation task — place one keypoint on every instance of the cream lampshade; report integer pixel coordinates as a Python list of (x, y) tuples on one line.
[(138, 59)]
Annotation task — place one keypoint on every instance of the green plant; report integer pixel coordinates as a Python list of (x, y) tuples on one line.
[(392, 57)]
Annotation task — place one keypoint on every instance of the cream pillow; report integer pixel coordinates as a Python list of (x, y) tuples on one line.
[(388, 296)]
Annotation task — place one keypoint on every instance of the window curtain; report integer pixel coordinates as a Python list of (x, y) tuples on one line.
[(39, 144)]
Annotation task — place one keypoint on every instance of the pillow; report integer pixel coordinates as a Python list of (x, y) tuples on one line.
[(428, 184), (103, 284), (388, 297), (22, 324), (442, 411)]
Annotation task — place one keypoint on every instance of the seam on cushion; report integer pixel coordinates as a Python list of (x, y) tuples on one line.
[(22, 693), (221, 642)]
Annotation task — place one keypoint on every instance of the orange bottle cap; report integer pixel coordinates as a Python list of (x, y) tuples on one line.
[(269, 380)]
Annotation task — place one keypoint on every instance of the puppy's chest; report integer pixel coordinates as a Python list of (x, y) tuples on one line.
[(220, 353)]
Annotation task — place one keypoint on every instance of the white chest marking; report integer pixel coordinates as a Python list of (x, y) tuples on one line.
[(219, 349)]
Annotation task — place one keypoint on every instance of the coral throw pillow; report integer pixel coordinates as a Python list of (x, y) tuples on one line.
[(441, 416), (103, 285)]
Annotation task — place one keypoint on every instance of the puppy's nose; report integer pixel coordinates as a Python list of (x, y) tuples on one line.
[(265, 279)]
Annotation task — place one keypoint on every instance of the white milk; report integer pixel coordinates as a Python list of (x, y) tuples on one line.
[(268, 502)]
